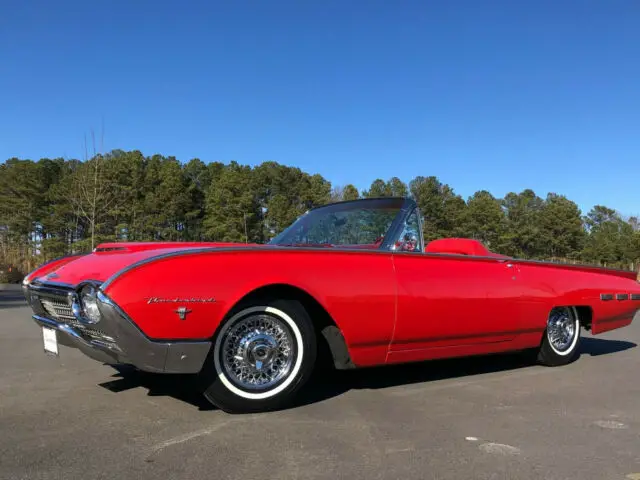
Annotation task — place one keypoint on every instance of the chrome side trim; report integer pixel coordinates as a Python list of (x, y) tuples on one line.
[(605, 297), (577, 266), (635, 296), (200, 251), (622, 296), (204, 250)]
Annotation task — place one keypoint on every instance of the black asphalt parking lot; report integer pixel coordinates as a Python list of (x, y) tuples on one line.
[(69, 417)]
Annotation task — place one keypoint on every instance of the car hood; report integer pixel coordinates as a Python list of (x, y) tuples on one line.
[(109, 258)]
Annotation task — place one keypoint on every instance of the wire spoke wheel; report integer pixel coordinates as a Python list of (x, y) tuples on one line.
[(562, 329), (258, 351), (262, 355)]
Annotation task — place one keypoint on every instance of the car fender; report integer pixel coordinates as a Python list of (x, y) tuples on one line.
[(356, 288)]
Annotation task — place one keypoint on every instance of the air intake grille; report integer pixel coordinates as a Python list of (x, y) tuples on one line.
[(58, 308), (93, 333)]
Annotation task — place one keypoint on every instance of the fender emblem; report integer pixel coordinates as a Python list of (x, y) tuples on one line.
[(182, 312), (180, 300)]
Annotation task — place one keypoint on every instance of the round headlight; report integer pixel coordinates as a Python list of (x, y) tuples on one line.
[(89, 303)]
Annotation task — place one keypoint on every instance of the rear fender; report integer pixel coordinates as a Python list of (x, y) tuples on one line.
[(614, 311)]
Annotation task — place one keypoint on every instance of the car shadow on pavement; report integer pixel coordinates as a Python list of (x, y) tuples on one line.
[(180, 387), (326, 386), (327, 383), (601, 346)]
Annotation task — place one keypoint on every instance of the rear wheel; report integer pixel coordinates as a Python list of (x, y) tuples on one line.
[(262, 355), (561, 342)]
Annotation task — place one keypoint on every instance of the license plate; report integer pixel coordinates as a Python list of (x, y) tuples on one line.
[(50, 339)]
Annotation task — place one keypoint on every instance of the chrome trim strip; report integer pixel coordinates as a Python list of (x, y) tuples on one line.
[(52, 288), (599, 268), (396, 227), (203, 250), (199, 251), (622, 296), (423, 247), (605, 297), (395, 237), (404, 201), (635, 296)]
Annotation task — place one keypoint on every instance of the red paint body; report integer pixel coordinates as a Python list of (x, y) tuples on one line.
[(391, 307)]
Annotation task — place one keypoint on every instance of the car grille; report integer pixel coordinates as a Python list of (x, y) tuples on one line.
[(58, 308), (94, 333)]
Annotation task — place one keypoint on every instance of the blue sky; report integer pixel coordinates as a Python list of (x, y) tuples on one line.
[(495, 95)]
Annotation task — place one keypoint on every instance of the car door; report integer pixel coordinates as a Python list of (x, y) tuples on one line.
[(448, 300)]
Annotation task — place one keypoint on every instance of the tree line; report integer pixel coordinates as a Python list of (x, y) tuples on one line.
[(53, 207)]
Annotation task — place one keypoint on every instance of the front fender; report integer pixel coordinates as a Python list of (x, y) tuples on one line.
[(356, 288)]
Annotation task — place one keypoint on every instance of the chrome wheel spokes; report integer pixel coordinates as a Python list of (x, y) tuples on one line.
[(561, 328), (258, 351)]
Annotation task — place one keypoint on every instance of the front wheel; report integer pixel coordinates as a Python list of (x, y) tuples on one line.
[(561, 342), (261, 357)]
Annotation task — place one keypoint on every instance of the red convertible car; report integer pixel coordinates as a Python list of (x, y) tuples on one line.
[(354, 278)]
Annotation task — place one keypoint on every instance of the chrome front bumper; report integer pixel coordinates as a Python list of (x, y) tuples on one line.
[(119, 340)]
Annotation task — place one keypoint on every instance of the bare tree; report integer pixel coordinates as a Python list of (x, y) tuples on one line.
[(91, 192), (337, 193)]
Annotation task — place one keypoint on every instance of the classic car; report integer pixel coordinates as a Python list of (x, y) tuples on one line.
[(354, 279)]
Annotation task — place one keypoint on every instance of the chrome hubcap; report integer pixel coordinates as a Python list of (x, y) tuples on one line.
[(561, 328), (258, 351)]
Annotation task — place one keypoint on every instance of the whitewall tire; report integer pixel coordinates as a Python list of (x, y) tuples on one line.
[(261, 356), (561, 342)]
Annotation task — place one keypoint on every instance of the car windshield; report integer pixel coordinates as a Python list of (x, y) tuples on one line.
[(363, 224)]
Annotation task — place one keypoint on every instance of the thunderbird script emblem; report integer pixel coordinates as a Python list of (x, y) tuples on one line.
[(180, 300)]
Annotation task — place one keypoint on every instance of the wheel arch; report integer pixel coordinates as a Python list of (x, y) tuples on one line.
[(584, 312), (332, 343), (585, 315)]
